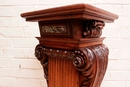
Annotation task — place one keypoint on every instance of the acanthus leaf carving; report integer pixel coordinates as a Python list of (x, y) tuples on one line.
[(93, 28), (91, 62)]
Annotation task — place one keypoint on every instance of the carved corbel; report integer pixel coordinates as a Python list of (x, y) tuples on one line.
[(91, 62)]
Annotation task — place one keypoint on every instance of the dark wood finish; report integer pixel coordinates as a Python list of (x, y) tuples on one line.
[(70, 48), (77, 11)]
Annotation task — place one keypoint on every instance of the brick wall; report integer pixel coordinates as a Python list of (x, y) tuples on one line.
[(19, 67)]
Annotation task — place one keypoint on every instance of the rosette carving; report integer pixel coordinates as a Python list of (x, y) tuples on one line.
[(38, 52), (93, 29), (78, 61), (91, 62)]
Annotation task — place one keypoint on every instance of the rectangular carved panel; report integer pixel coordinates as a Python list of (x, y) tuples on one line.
[(54, 29)]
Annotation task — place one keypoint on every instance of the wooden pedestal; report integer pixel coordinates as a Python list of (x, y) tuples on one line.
[(70, 48)]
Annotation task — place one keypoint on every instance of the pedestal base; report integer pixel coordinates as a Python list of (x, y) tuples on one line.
[(70, 49)]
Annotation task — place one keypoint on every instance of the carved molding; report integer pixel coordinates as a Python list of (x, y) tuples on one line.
[(58, 53), (92, 63), (93, 29), (43, 53)]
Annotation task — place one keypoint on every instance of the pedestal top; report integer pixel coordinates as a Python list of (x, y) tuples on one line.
[(76, 11)]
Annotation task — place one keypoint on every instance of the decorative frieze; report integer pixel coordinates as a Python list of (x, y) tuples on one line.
[(54, 29)]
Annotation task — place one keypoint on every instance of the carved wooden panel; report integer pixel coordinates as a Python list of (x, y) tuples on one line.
[(55, 29)]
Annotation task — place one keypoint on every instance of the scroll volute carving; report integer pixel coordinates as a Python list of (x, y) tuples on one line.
[(43, 53), (91, 62), (93, 28), (43, 58)]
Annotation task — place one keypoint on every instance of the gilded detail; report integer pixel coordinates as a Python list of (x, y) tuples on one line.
[(54, 29)]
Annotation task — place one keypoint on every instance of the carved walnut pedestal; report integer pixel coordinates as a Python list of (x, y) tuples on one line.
[(70, 48)]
